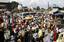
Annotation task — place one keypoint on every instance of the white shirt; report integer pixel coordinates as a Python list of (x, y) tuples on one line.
[(7, 34), (60, 30), (57, 30), (47, 38), (35, 35)]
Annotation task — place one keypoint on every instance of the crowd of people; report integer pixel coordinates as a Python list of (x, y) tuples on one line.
[(41, 28)]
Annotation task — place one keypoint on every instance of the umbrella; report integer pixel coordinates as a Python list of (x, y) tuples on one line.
[(28, 17)]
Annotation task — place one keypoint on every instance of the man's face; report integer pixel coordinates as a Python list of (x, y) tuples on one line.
[(2, 24)]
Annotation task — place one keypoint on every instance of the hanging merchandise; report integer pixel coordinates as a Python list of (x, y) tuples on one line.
[(12, 23), (6, 21)]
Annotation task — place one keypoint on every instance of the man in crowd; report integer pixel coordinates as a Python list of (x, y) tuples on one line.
[(1, 30)]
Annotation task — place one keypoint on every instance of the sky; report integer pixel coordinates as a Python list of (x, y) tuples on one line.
[(41, 3)]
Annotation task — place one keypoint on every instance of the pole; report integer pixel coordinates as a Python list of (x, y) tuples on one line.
[(12, 23)]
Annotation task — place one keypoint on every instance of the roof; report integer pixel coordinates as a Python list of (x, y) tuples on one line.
[(4, 4), (57, 14), (4, 0)]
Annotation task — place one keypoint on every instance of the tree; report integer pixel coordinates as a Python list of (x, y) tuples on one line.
[(38, 8), (14, 4), (49, 9), (42, 9)]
